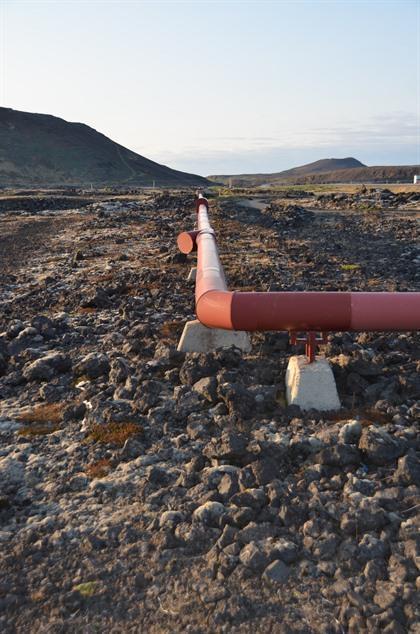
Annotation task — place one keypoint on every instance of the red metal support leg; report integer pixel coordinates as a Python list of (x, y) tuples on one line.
[(311, 346), (311, 342)]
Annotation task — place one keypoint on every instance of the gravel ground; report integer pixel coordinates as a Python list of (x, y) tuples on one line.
[(145, 490)]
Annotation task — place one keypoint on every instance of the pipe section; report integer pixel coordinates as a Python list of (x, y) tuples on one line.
[(216, 307), (187, 241)]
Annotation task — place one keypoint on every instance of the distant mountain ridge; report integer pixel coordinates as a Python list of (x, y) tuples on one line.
[(330, 170), (43, 150)]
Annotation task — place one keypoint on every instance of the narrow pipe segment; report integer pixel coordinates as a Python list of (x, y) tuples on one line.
[(216, 307)]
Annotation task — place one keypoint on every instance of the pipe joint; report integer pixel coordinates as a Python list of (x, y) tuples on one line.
[(209, 232), (201, 201)]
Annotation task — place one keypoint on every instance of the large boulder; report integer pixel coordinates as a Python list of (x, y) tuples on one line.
[(408, 471), (379, 447), (47, 367), (12, 475), (93, 365)]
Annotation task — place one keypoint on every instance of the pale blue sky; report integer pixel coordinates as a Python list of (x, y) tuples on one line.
[(223, 86)]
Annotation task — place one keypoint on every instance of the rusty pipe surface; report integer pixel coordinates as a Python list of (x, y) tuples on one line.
[(217, 307)]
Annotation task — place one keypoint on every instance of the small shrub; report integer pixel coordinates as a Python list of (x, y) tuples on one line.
[(87, 589), (114, 433), (349, 267), (99, 469)]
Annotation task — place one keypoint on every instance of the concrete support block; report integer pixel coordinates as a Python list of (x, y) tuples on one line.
[(198, 338), (311, 385), (192, 275)]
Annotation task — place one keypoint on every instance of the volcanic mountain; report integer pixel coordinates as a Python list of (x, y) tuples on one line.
[(42, 150), (330, 170)]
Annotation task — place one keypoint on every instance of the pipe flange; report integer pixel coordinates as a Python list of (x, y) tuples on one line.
[(201, 201)]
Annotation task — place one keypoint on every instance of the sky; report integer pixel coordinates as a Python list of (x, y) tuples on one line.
[(223, 87)]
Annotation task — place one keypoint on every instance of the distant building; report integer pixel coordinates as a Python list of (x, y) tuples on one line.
[(417, 179)]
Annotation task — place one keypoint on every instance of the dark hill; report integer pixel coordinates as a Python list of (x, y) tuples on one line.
[(325, 171), (374, 174), (42, 150), (321, 166), (317, 167)]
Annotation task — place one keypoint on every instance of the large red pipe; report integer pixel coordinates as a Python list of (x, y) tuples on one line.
[(216, 307)]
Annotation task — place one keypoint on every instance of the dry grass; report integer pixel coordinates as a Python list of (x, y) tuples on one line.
[(38, 430), (372, 282), (87, 310), (41, 419), (98, 469), (245, 288), (366, 416), (105, 277), (154, 286), (369, 416), (43, 413), (171, 329), (114, 433)]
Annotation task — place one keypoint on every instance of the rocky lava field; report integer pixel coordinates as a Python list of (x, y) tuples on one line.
[(147, 490)]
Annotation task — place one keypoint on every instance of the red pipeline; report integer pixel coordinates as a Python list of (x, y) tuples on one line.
[(217, 307)]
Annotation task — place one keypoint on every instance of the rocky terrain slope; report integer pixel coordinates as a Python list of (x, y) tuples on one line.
[(369, 199), (146, 490)]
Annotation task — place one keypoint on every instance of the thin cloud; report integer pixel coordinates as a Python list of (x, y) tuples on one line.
[(395, 128), (401, 126), (386, 139)]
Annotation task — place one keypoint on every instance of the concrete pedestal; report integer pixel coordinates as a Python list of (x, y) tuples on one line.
[(198, 338), (311, 385)]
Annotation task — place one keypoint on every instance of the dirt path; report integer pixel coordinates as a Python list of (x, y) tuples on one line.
[(21, 238)]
